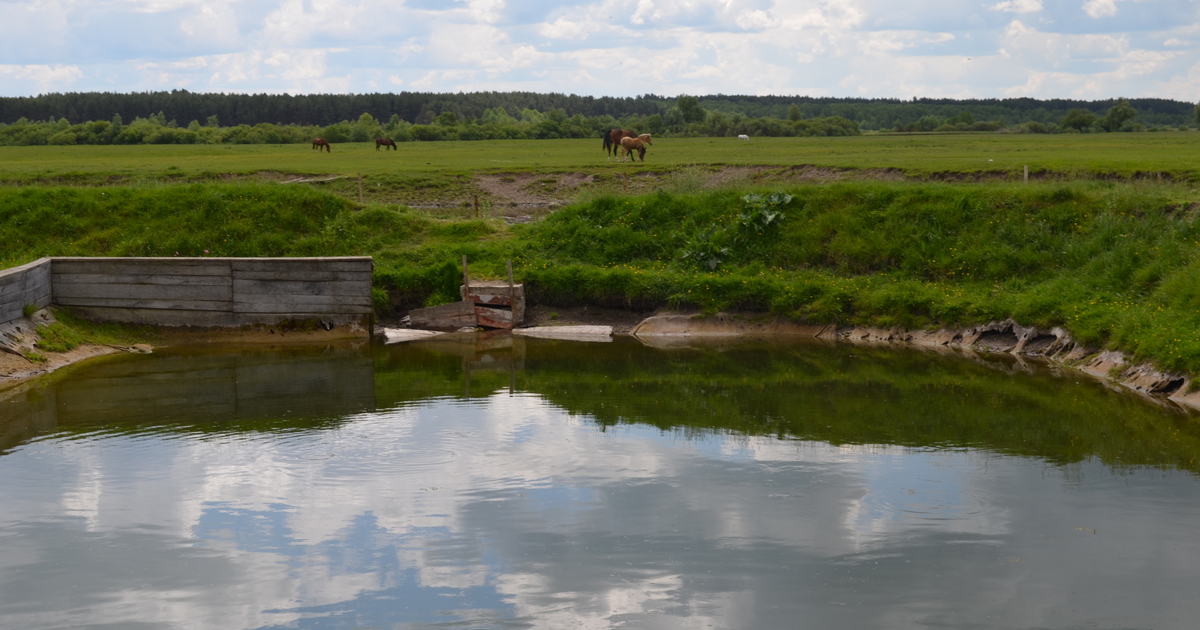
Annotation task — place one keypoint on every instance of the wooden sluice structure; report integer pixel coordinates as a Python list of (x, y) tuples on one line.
[(485, 303)]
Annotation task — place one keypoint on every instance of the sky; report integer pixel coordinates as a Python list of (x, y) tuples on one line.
[(1088, 49)]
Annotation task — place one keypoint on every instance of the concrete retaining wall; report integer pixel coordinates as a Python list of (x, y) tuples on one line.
[(223, 292), (27, 284)]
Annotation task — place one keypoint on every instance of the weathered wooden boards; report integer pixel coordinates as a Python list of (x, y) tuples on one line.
[(498, 304), (27, 284), (450, 316), (215, 291), (487, 303)]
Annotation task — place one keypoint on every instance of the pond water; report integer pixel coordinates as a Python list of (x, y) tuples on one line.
[(503, 483)]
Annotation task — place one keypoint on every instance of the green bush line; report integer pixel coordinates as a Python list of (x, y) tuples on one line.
[(1115, 264)]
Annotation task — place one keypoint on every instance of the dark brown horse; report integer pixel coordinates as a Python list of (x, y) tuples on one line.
[(386, 143), (321, 143), (638, 144), (612, 142)]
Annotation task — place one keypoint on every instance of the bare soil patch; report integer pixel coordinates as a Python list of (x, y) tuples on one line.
[(531, 189)]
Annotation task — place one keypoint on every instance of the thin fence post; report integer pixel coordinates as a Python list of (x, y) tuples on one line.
[(466, 279)]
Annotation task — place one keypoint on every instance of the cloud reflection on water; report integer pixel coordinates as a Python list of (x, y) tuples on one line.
[(508, 511)]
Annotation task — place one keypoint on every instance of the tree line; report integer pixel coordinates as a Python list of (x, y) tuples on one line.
[(421, 108), (686, 117), (497, 123)]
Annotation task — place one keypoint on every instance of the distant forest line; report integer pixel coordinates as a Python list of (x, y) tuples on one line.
[(419, 108)]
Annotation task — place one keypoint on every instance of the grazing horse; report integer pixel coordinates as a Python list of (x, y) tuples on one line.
[(321, 143), (612, 141), (638, 144), (743, 137), (386, 143)]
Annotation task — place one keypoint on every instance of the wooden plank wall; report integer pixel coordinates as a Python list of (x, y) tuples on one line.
[(215, 291), (27, 284)]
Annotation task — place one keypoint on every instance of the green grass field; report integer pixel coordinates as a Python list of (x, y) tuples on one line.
[(1176, 154)]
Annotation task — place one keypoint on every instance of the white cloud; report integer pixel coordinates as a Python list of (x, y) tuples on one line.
[(1100, 8), (1018, 6), (608, 47), (43, 76), (563, 28), (754, 20), (488, 11)]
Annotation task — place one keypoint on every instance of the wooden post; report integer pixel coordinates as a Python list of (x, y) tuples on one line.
[(476, 206), (360, 191), (1026, 173), (466, 279), (510, 279)]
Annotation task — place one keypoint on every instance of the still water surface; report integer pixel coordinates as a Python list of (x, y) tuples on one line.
[(541, 484)]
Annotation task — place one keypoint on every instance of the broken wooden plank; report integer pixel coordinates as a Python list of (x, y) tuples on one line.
[(445, 317), (493, 317)]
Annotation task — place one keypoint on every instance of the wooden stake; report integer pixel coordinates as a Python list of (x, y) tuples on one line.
[(360, 192), (1026, 173), (466, 279), (510, 280)]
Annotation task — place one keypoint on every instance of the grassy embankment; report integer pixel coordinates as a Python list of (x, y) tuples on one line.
[(1116, 264)]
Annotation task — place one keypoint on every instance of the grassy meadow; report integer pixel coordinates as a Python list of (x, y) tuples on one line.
[(1174, 154), (1106, 250)]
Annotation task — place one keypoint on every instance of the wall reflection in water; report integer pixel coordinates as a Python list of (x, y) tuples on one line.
[(196, 389)]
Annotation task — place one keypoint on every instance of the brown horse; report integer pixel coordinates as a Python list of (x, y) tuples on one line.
[(321, 143), (638, 144), (612, 141), (386, 143)]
